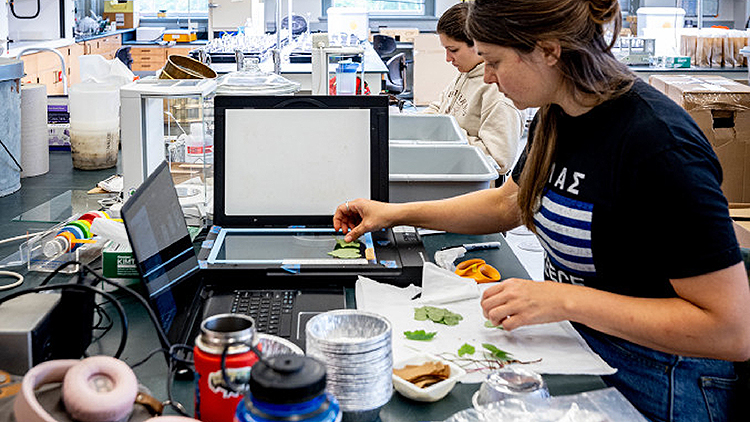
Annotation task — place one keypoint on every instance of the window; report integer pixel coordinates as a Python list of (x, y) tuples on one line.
[(180, 7), (387, 7)]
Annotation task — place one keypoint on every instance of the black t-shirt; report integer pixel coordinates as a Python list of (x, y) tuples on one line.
[(633, 199)]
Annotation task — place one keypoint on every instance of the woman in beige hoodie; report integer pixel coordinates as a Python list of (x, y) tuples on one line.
[(490, 120)]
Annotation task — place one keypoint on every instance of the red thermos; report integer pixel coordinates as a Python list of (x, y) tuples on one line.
[(215, 401)]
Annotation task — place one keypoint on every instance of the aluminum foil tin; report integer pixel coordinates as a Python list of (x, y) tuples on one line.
[(356, 349)]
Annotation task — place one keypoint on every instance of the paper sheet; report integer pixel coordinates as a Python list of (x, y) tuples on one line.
[(561, 349)]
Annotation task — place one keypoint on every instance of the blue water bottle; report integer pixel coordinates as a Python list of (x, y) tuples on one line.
[(288, 388)]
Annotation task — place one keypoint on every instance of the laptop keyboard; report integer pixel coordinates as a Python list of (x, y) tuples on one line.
[(271, 309)]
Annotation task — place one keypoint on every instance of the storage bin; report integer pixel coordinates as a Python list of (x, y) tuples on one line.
[(662, 24), (424, 172), (11, 72), (350, 21), (425, 129)]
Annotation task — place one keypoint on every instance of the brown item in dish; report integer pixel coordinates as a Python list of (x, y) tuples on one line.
[(424, 375)]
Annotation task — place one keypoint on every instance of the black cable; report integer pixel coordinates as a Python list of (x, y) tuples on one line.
[(9, 153), (159, 330), (148, 356), (83, 287), (231, 386)]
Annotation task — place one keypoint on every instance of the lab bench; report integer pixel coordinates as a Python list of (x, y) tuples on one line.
[(62, 181)]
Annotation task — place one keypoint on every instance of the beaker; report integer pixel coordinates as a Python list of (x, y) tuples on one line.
[(346, 78), (94, 125)]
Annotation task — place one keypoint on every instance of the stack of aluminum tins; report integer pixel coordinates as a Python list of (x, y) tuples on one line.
[(356, 349)]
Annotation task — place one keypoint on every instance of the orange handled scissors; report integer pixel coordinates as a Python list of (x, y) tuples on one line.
[(479, 270)]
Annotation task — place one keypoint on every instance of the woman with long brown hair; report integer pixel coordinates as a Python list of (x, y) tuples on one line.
[(623, 191)]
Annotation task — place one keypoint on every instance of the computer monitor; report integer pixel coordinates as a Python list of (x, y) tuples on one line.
[(289, 160)]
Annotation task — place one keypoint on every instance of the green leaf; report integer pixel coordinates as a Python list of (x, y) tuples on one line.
[(499, 354), (435, 314), (489, 324), (452, 319), (341, 243), (420, 335), (346, 253), (466, 349), (420, 314)]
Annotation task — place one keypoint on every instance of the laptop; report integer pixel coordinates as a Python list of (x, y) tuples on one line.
[(182, 294)]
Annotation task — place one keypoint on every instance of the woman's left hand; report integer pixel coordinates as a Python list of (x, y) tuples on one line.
[(517, 302)]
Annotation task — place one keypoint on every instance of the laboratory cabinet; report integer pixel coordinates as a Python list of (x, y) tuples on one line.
[(43, 67), (104, 46), (153, 57)]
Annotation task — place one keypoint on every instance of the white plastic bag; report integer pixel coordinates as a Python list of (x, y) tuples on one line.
[(95, 68), (606, 405)]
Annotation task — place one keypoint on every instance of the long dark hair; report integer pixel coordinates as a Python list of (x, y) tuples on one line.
[(453, 23), (592, 74)]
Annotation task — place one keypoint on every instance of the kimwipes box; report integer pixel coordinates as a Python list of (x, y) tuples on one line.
[(124, 14), (721, 107)]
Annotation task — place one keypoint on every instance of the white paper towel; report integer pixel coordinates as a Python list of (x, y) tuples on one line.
[(34, 134)]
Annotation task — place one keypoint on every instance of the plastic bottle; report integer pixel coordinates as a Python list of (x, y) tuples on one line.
[(288, 388), (198, 147)]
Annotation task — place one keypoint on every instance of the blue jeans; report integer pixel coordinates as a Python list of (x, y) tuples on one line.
[(670, 388)]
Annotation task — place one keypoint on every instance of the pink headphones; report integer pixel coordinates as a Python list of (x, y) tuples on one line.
[(95, 389)]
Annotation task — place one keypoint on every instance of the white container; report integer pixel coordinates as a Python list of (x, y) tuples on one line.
[(93, 102), (425, 129), (94, 125), (434, 392), (348, 20), (198, 147), (663, 24), (425, 172)]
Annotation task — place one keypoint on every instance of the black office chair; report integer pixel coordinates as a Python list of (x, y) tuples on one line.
[(384, 45), (396, 82)]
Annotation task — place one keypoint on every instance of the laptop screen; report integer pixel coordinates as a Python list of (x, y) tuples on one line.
[(162, 248), (284, 160)]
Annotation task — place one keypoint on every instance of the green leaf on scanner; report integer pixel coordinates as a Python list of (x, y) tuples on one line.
[(489, 324), (420, 314), (419, 335), (466, 349), (341, 243), (346, 253), (499, 354)]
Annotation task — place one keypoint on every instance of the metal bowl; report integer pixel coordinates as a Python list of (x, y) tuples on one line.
[(271, 345)]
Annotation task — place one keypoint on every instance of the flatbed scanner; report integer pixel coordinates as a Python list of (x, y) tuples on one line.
[(282, 165)]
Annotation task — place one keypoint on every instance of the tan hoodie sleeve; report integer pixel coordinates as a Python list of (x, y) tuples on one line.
[(500, 128)]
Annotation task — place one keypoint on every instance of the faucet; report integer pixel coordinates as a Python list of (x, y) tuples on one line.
[(62, 62)]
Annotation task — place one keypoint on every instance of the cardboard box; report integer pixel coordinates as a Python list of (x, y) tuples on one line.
[(721, 107), (400, 34), (118, 261), (125, 15)]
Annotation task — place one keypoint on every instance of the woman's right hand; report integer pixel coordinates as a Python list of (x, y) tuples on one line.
[(359, 216)]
